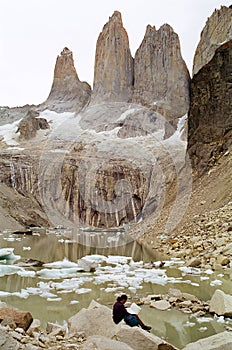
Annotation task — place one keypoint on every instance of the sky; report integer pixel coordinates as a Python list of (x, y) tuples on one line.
[(34, 32)]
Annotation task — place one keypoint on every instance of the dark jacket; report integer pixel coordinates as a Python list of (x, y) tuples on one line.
[(119, 312)]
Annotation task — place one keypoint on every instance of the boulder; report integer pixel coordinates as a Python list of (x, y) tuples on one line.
[(139, 339), (160, 304), (95, 320), (23, 319), (221, 303), (30, 125), (7, 342), (103, 343), (220, 341)]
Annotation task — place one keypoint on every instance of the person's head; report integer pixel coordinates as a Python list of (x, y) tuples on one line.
[(122, 299)]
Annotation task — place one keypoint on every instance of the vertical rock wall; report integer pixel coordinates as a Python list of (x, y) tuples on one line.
[(113, 72), (161, 77), (210, 116)]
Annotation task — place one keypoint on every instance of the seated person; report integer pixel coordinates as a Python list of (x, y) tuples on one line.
[(120, 313)]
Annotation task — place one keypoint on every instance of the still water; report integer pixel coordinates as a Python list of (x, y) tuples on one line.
[(53, 293)]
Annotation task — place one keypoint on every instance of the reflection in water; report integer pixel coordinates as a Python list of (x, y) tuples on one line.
[(61, 244)]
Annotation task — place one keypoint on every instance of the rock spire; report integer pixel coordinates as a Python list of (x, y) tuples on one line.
[(113, 72), (161, 78), (68, 93)]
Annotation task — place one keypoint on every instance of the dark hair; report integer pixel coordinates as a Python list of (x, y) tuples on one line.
[(122, 297)]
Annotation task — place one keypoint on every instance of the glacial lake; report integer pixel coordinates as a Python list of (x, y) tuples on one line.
[(57, 290)]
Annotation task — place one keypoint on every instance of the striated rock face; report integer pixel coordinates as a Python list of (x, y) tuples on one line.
[(113, 72), (161, 78), (68, 93), (217, 30), (210, 115)]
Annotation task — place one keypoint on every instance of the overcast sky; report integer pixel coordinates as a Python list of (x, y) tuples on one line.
[(34, 32)]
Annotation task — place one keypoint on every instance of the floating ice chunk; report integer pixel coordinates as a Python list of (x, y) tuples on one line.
[(83, 290), (73, 302), (189, 270), (4, 294), (195, 284), (26, 248), (58, 273), (26, 273), (5, 253), (9, 239), (54, 299), (189, 324), (220, 275), (132, 289), (203, 319), (209, 272), (46, 294), (9, 270), (87, 265), (220, 319), (111, 289), (203, 329), (204, 278), (65, 263), (216, 283), (117, 259)]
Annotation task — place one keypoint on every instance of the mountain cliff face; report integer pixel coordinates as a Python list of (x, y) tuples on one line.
[(105, 158), (113, 72), (210, 112), (217, 30), (68, 93), (161, 78), (210, 116)]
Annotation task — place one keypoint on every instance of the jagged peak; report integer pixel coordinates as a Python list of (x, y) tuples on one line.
[(116, 17), (66, 52), (166, 28), (150, 29)]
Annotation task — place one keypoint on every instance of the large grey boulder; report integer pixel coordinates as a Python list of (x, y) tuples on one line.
[(220, 341), (103, 343), (139, 339), (95, 320), (221, 303)]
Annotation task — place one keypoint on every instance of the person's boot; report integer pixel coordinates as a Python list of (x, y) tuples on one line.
[(146, 328)]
